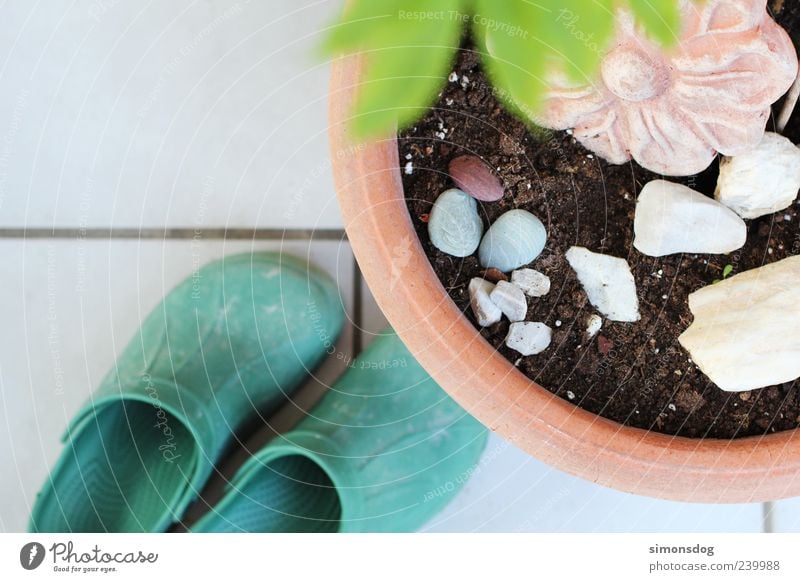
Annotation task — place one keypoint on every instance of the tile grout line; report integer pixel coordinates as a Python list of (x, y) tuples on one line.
[(358, 309), (768, 522), (325, 234)]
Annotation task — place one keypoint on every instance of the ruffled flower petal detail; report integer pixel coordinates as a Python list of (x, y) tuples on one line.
[(673, 111)]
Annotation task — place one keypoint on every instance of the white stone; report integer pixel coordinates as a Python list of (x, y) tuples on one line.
[(593, 326), (486, 312), (762, 181), (608, 282), (672, 218), (511, 300), (532, 282), (746, 330), (529, 338)]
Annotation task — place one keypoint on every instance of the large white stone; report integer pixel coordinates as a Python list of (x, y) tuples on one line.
[(608, 282), (761, 181), (672, 218), (529, 338), (746, 330), (486, 312)]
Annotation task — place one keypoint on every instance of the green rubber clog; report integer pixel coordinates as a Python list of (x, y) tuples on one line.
[(384, 451), (229, 343)]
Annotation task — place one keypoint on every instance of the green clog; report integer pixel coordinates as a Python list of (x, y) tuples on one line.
[(229, 343), (383, 451)]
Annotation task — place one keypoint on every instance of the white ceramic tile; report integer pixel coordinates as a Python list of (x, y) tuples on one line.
[(67, 308), (146, 113), (784, 516), (512, 492)]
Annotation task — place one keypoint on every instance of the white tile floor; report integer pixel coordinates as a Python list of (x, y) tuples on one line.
[(159, 118)]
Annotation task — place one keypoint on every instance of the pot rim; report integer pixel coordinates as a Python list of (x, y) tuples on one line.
[(486, 384)]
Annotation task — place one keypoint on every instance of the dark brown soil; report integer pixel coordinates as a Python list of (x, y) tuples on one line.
[(636, 374)]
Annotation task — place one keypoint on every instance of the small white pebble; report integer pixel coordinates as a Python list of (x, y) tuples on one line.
[(532, 282), (409, 168), (590, 156), (671, 407), (787, 217), (453, 77), (660, 272), (770, 251), (464, 82), (529, 338), (409, 156), (511, 300), (558, 323), (569, 132), (448, 101), (678, 373), (593, 326), (657, 350), (486, 312), (665, 297), (570, 395)]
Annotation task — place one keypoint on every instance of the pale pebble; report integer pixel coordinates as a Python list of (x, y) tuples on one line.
[(484, 309), (529, 338), (511, 300), (608, 282), (515, 239), (672, 218), (761, 181), (454, 226), (593, 326), (746, 330), (532, 282)]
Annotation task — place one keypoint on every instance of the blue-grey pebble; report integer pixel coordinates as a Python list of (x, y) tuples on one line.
[(454, 225), (515, 239)]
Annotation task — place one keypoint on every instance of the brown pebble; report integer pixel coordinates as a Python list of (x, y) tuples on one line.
[(473, 176), (745, 396), (604, 344), (494, 275), (424, 217)]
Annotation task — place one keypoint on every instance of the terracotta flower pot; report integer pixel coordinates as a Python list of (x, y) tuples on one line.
[(370, 192)]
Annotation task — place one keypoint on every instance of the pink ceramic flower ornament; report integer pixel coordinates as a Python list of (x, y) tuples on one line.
[(673, 110)]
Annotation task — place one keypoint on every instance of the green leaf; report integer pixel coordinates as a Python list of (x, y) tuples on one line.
[(726, 272), (525, 40), (581, 31), (660, 18), (410, 46)]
